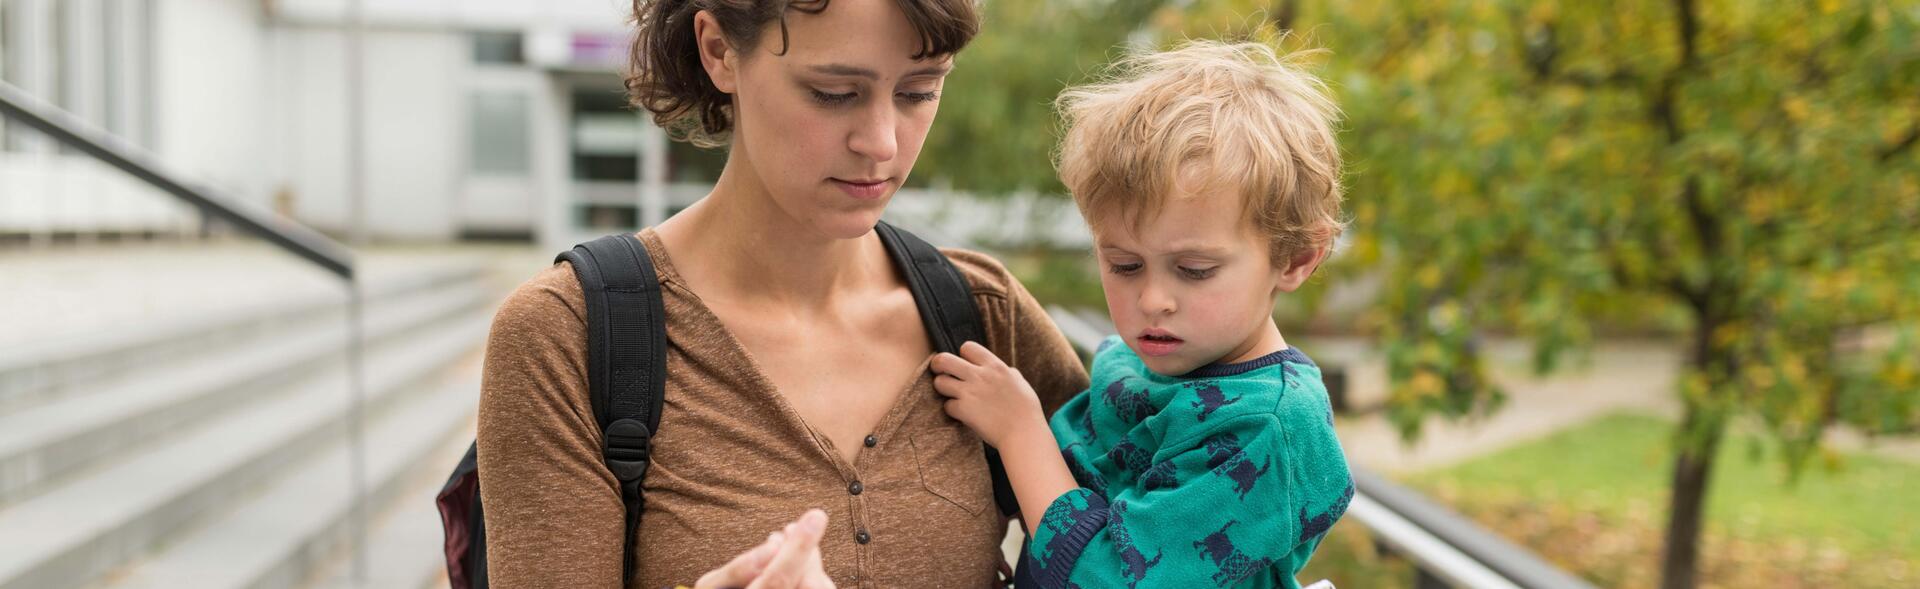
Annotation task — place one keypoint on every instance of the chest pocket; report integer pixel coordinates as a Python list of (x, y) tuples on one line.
[(953, 466)]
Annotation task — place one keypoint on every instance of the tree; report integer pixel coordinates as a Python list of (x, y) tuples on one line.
[(1748, 169), (996, 129)]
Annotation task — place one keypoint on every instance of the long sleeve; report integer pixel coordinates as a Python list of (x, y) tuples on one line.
[(1223, 506), (553, 511)]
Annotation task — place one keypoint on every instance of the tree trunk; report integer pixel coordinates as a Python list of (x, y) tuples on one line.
[(1686, 511), (1700, 433), (1283, 14)]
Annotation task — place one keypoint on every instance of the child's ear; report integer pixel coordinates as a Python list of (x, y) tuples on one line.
[(716, 54), (1300, 267)]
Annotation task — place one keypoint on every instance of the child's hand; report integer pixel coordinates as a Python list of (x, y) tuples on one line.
[(986, 394)]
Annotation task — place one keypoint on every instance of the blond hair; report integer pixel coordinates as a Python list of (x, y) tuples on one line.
[(1239, 113)]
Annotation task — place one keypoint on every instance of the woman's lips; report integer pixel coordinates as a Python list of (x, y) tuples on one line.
[(863, 189)]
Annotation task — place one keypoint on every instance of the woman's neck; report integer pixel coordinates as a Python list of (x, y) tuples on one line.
[(738, 242)]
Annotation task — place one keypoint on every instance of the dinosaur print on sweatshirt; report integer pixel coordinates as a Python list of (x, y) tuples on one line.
[(1131, 406), (1135, 564), (1130, 457), (1319, 524), (1231, 477), (1211, 398), (1233, 564), (1160, 476)]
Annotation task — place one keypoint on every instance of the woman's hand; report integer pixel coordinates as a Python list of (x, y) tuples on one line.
[(789, 559), (987, 394)]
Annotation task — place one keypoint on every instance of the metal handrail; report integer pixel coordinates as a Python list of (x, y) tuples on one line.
[(310, 245), (66, 128), (1442, 544)]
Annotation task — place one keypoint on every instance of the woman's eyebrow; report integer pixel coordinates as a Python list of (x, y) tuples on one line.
[(841, 69)]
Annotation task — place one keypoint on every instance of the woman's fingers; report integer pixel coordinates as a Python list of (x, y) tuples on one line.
[(743, 568), (799, 554)]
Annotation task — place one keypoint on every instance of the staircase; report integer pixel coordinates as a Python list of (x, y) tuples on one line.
[(213, 452)]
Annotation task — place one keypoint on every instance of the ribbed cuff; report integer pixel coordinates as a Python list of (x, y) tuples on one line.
[(1053, 573)]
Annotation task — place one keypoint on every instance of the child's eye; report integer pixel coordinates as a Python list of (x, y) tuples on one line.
[(919, 97), (1198, 273), (1124, 269), (827, 99)]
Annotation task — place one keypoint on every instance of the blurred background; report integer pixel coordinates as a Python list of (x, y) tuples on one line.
[(1628, 299)]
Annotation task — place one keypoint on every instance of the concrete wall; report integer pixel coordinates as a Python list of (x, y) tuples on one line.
[(89, 58), (252, 102), (414, 126), (211, 93)]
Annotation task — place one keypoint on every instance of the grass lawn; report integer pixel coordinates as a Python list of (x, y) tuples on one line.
[(1593, 499)]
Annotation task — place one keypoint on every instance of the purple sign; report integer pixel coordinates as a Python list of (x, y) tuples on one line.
[(599, 49)]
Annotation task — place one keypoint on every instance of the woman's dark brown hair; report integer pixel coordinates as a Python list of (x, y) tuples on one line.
[(664, 73)]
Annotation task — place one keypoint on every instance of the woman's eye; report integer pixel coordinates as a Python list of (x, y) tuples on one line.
[(829, 99), (1198, 273), (1124, 269), (919, 97)]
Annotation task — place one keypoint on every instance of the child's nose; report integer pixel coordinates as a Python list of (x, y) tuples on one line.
[(1155, 300)]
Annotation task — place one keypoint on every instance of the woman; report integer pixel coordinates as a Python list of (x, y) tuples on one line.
[(797, 374)]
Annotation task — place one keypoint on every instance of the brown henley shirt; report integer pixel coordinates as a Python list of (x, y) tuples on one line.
[(733, 462)]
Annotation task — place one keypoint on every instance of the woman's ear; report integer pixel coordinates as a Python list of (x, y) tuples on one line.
[(1300, 267), (716, 54)]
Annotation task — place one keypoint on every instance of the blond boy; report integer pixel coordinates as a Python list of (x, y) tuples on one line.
[(1204, 453)]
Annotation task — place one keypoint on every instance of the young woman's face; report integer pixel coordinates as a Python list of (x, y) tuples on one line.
[(833, 125)]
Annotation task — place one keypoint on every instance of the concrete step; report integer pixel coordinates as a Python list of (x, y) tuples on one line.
[(74, 364), (74, 532), (41, 445), (290, 532), (404, 544)]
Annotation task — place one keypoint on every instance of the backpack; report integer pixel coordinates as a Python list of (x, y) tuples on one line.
[(627, 364)]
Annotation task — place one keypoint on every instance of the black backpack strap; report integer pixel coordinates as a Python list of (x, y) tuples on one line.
[(626, 360), (946, 307)]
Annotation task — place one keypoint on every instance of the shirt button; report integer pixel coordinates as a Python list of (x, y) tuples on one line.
[(862, 537), (855, 488), (872, 441)]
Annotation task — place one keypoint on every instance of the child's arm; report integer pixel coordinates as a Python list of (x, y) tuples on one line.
[(992, 399), (1225, 502)]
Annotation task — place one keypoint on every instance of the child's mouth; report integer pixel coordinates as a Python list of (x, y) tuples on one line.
[(1158, 343)]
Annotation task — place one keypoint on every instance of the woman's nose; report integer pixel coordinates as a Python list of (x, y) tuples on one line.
[(873, 134)]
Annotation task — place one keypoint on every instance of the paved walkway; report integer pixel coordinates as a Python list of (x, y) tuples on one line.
[(1619, 376), (1634, 375)]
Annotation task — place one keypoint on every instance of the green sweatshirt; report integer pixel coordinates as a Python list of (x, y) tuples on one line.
[(1226, 476)]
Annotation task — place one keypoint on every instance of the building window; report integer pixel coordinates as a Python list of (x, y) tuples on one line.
[(500, 134), (498, 48)]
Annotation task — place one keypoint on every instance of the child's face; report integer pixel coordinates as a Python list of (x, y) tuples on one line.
[(1193, 285)]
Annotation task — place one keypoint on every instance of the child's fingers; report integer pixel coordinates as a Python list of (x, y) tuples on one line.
[(952, 407), (947, 386), (979, 355), (949, 364)]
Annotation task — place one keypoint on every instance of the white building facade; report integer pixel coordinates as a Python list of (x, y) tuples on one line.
[(476, 118)]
